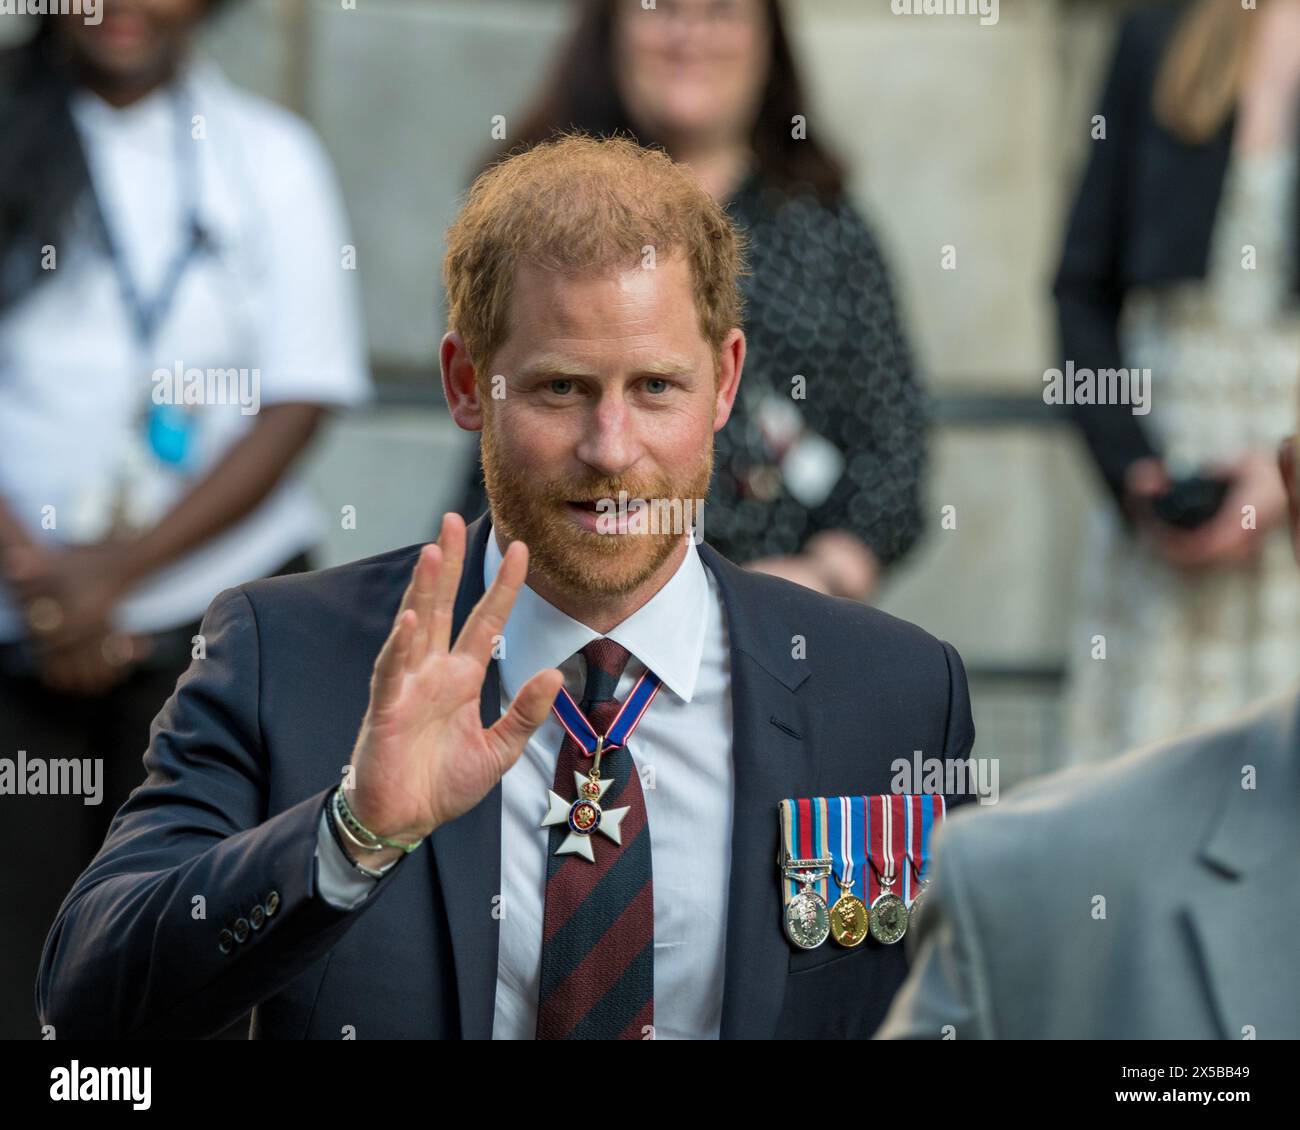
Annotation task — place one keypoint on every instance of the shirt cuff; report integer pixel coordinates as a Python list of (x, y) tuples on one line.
[(337, 881)]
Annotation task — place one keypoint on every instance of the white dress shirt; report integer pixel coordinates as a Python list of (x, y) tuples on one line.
[(682, 750), (272, 295)]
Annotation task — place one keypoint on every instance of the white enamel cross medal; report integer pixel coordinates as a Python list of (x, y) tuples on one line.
[(584, 816)]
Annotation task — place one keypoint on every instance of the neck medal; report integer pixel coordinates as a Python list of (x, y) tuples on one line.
[(584, 816)]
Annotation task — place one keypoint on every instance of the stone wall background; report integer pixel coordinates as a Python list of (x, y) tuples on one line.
[(956, 134)]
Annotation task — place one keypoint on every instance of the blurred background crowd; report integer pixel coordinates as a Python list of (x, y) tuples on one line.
[(940, 209)]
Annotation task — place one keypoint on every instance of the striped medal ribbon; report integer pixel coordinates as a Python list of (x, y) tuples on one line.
[(824, 839), (925, 811), (805, 863)]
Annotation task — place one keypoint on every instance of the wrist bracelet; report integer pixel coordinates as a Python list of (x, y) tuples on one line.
[(369, 872), (362, 836)]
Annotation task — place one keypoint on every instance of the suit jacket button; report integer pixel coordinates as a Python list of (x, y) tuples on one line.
[(225, 941), (256, 916), (241, 930), (272, 903)]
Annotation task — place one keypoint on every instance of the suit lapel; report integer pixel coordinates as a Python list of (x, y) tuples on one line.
[(769, 764), (467, 851), (1247, 928), (1246, 915)]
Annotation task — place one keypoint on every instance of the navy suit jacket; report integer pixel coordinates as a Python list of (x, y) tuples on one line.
[(201, 904)]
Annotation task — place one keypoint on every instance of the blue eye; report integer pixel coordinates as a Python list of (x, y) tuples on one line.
[(659, 381), (559, 381)]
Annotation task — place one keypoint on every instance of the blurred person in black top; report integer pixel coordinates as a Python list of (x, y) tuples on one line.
[(1181, 261)]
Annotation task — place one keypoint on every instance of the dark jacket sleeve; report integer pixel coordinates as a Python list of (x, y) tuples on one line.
[(878, 497), (959, 732), (1088, 286), (135, 950)]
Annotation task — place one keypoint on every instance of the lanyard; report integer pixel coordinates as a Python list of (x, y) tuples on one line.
[(148, 313)]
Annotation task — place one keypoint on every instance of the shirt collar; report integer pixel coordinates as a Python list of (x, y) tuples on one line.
[(666, 633), (96, 116), (197, 77), (204, 89)]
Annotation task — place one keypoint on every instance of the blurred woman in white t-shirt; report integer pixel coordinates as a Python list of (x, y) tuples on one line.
[(177, 316)]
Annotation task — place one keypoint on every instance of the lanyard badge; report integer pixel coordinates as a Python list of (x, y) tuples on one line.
[(169, 429)]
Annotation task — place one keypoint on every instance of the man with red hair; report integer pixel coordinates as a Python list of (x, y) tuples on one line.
[(361, 778)]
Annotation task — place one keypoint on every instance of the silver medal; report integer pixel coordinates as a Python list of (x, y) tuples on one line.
[(807, 920), (888, 918)]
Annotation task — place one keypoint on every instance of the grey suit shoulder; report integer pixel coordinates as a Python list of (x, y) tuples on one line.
[(1151, 897)]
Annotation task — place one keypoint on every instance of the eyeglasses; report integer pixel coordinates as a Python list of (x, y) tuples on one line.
[(711, 14)]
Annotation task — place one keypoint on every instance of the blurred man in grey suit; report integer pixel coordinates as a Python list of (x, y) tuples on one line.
[(1157, 897)]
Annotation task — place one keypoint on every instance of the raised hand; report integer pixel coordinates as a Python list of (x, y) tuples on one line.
[(422, 756)]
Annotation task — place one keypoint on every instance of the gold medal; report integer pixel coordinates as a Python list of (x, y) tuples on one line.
[(849, 917), (849, 920)]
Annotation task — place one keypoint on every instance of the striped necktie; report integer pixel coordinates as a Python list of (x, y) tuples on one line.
[(597, 975)]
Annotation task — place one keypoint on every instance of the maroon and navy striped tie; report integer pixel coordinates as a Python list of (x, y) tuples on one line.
[(598, 932)]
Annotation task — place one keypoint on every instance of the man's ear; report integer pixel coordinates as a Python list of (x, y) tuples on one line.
[(459, 384), (731, 360), (1286, 463)]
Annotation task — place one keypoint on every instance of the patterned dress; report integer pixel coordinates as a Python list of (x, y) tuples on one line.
[(1184, 649), (818, 305)]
